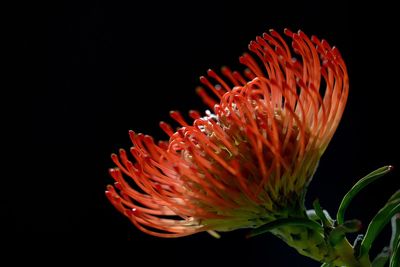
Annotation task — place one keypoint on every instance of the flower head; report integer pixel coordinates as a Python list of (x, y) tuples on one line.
[(248, 161)]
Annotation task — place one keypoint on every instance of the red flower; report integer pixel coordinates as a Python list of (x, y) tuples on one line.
[(249, 161)]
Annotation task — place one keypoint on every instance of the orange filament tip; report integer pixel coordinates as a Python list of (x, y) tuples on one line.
[(118, 186), (211, 73), (288, 32), (131, 212), (194, 114)]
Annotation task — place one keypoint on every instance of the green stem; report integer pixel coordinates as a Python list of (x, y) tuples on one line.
[(313, 244)]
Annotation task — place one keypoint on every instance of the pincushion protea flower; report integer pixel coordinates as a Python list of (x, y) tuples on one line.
[(248, 162)]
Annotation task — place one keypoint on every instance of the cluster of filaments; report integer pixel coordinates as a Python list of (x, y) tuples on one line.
[(248, 162)]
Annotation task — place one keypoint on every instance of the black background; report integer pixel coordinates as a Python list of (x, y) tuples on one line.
[(93, 70)]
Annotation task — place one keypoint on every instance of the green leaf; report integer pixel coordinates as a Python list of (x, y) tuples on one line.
[(395, 259), (379, 221), (373, 176), (395, 241), (326, 221), (382, 258), (395, 231), (395, 196), (285, 222)]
